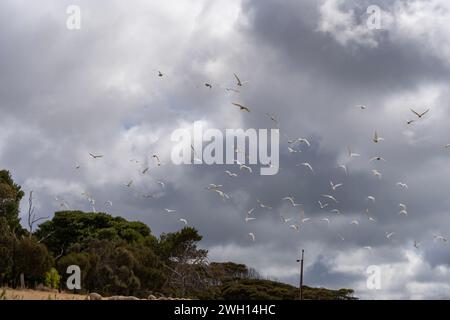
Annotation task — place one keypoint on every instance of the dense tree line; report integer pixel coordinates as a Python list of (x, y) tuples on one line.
[(120, 257)]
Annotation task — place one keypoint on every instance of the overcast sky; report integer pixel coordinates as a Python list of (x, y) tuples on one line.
[(67, 93)]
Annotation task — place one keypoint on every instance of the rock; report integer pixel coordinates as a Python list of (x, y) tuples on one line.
[(94, 296), (123, 298)]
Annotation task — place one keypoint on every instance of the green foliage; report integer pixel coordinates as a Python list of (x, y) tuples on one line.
[(6, 249), (52, 279), (254, 289), (32, 259), (71, 227), (174, 245), (10, 196), (227, 271), (116, 256)]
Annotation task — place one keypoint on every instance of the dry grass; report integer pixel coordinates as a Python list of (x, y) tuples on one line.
[(16, 294)]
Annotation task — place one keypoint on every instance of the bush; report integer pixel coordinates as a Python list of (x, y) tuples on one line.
[(52, 279)]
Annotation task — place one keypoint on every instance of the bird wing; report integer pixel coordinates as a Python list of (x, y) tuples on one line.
[(416, 113), (424, 113), (239, 83), (241, 106)]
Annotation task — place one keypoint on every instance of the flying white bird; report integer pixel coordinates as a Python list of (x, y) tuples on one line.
[(355, 222), (249, 212), (184, 221), (335, 211), (420, 115), (214, 186), (368, 248), (272, 117), (285, 220), (296, 227), (352, 154), (371, 219), (377, 174), (403, 212), (252, 236), (307, 165), (241, 107), (95, 156), (417, 244), (344, 167), (330, 197), (238, 81), (230, 174), (129, 184), (322, 206), (378, 158), (371, 198), (291, 150), (389, 235), (158, 161), (145, 170), (292, 201), (263, 205), (109, 203), (247, 219), (447, 146), (305, 141), (169, 210), (77, 166), (222, 194), (305, 220), (243, 166), (335, 186), (402, 185), (402, 206), (325, 220), (376, 138), (161, 183), (440, 238), (64, 204), (362, 107)]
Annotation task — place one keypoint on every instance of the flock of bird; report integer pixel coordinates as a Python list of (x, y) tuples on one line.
[(328, 202)]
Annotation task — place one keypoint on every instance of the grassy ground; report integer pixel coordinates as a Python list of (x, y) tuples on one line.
[(13, 294)]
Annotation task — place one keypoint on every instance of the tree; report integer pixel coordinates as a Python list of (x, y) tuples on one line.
[(32, 259), (52, 278), (71, 227), (185, 264), (6, 251), (10, 196)]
